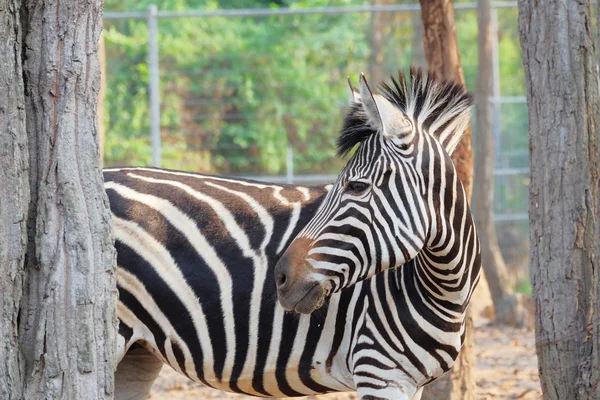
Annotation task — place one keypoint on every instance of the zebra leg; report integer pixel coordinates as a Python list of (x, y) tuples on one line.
[(418, 395), (136, 373), (388, 393), (385, 385)]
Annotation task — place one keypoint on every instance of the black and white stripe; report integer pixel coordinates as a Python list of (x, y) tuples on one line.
[(197, 255)]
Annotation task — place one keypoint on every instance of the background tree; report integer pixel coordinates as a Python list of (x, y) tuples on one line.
[(380, 26), (557, 41), (510, 309), (58, 286), (443, 58)]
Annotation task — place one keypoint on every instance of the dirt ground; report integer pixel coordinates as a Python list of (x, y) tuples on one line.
[(506, 369)]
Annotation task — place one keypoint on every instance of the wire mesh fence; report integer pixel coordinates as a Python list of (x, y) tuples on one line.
[(261, 92)]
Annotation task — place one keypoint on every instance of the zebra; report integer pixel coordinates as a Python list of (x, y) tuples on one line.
[(281, 290)]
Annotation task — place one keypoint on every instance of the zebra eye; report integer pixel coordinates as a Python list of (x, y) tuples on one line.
[(356, 187), (403, 146)]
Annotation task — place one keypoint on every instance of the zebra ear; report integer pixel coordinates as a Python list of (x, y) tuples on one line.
[(354, 94), (369, 104), (383, 115), (451, 134)]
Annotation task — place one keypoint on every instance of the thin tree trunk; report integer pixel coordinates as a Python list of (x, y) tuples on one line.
[(443, 58), (564, 105), (510, 309), (14, 197), (379, 24), (483, 199), (68, 315)]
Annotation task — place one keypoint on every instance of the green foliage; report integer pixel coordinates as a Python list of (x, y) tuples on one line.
[(234, 91)]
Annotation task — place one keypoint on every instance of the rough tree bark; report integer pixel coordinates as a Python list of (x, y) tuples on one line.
[(14, 197), (59, 312), (443, 58), (557, 42), (510, 309)]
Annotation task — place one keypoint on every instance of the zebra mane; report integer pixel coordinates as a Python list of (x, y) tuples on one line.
[(438, 107)]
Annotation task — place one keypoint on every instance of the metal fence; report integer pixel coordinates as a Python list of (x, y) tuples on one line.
[(260, 92)]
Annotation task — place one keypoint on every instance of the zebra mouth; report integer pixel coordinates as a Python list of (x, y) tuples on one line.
[(304, 299), (312, 300)]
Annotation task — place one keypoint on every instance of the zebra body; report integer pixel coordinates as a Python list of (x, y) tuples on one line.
[(202, 261), (204, 295)]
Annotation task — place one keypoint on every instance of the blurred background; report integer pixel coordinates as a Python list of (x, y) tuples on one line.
[(257, 88)]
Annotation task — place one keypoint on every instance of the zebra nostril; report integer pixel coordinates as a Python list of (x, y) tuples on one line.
[(281, 279)]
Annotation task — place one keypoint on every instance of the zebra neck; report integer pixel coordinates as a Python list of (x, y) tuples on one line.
[(448, 278)]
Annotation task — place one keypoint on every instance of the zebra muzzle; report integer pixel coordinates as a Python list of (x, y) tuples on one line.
[(297, 292)]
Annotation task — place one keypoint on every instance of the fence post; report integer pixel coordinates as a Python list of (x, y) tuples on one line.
[(153, 86), (496, 121), (290, 164)]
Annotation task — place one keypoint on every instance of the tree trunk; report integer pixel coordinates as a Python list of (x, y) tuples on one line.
[(510, 309), (59, 317), (562, 92), (14, 197), (443, 58), (379, 24)]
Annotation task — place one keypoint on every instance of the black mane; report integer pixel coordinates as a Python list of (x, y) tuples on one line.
[(355, 129), (424, 98)]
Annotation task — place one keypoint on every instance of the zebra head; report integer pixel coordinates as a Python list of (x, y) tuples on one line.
[(395, 196)]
